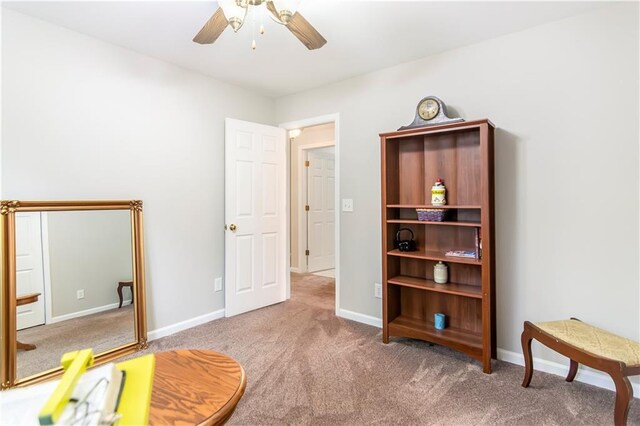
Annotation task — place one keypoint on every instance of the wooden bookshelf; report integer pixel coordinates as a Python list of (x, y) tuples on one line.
[(412, 160)]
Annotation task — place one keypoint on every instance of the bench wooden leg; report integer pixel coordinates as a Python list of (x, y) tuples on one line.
[(120, 295), (528, 360), (624, 394), (573, 370), (128, 284)]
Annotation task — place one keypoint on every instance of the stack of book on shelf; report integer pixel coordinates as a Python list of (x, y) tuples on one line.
[(461, 253)]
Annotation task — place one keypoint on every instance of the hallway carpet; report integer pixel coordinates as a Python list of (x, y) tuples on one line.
[(306, 366)]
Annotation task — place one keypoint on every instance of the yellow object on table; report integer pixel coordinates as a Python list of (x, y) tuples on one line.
[(74, 364), (136, 394)]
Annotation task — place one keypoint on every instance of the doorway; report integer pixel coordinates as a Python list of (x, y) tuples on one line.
[(319, 211), (313, 201)]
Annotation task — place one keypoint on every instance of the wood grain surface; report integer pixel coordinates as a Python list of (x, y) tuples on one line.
[(195, 387), (27, 298), (212, 28), (304, 31)]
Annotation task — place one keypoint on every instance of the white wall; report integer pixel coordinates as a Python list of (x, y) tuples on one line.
[(83, 119), (564, 97), (90, 251), (315, 135)]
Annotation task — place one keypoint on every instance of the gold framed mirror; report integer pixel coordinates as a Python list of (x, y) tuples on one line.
[(91, 257)]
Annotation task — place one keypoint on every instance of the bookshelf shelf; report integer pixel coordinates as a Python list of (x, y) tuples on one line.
[(430, 285), (429, 206), (427, 222), (462, 155), (434, 255), (460, 339)]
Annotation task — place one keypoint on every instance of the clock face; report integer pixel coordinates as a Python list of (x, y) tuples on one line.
[(428, 109)]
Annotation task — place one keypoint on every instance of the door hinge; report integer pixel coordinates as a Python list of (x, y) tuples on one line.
[(306, 163), (306, 208), (306, 252)]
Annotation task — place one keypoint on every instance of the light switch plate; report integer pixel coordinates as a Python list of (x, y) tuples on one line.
[(347, 205)]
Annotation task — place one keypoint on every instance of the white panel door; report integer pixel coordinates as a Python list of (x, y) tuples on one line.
[(29, 273), (321, 214), (255, 202)]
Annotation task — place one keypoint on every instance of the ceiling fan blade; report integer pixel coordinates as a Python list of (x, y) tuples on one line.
[(212, 29), (273, 10), (304, 31), (301, 28)]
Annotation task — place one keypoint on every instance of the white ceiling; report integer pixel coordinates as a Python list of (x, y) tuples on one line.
[(362, 35)]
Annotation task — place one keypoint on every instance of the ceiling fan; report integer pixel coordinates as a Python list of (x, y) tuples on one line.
[(234, 12)]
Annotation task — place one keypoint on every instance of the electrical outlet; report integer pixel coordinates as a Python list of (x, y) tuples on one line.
[(347, 205), (377, 290), (217, 286), (80, 294)]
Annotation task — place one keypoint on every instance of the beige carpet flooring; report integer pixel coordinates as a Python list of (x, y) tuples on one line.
[(306, 366), (101, 331), (329, 273)]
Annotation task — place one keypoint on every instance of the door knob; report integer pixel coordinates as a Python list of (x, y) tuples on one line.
[(233, 227)]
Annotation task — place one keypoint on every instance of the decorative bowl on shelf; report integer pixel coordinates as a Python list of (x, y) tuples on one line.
[(432, 215)]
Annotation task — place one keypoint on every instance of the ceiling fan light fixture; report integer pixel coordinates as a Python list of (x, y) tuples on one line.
[(234, 11), (285, 16), (235, 23), (286, 9)]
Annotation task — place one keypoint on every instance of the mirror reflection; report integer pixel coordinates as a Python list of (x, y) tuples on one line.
[(74, 285)]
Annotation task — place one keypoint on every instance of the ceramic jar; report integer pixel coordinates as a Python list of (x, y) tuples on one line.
[(438, 192), (440, 273)]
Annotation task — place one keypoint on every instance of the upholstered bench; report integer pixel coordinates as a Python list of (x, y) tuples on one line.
[(585, 344)]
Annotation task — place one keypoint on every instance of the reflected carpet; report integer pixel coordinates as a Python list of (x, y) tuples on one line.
[(100, 331)]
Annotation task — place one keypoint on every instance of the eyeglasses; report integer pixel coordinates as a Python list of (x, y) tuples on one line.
[(86, 410)]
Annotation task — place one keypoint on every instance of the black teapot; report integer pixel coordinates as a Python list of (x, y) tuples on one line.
[(405, 245)]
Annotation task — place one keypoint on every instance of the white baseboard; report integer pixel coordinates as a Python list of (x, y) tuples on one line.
[(358, 317), (79, 314), (296, 270), (589, 376), (183, 325)]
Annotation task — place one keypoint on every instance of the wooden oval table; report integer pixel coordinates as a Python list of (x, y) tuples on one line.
[(193, 387)]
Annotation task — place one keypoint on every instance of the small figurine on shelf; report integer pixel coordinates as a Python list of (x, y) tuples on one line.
[(438, 193)]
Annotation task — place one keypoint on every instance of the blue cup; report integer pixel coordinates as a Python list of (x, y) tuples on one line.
[(439, 320)]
